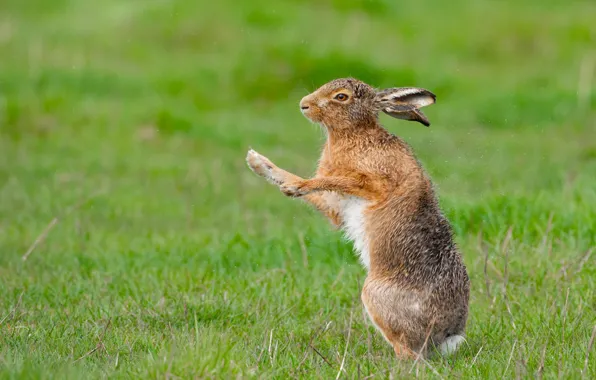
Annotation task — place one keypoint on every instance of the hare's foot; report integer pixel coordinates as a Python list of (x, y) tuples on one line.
[(263, 167), (295, 189)]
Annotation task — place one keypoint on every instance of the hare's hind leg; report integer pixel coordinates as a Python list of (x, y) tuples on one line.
[(397, 339), (326, 203)]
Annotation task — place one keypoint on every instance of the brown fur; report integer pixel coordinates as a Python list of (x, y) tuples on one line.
[(417, 288)]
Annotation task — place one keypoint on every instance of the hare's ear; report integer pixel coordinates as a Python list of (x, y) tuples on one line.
[(404, 103)]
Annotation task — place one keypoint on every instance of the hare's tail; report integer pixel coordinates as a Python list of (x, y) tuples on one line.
[(451, 344)]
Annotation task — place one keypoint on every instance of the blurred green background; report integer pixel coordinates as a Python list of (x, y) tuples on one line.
[(129, 120)]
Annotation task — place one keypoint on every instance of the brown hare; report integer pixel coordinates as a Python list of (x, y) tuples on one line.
[(370, 184)]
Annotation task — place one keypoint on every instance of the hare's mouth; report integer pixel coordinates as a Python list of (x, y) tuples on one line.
[(306, 111), (311, 111), (310, 117)]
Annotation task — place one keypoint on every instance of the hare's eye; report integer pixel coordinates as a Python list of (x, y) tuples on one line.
[(341, 97)]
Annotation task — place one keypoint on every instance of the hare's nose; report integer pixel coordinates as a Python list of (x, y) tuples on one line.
[(305, 103)]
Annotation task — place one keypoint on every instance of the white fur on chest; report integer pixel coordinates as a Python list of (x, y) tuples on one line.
[(352, 212)]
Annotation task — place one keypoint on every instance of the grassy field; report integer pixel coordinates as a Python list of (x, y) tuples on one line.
[(153, 252)]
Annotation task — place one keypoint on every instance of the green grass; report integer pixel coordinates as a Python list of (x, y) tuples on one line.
[(129, 122)]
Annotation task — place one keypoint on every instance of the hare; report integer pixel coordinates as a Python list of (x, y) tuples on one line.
[(370, 184)]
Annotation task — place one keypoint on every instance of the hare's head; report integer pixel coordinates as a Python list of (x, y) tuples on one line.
[(345, 103)]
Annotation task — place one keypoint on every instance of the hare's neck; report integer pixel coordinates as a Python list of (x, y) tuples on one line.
[(341, 144), (354, 136)]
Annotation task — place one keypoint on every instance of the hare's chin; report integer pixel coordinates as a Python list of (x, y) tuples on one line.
[(307, 114)]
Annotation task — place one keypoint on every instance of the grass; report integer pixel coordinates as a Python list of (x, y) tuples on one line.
[(123, 131)]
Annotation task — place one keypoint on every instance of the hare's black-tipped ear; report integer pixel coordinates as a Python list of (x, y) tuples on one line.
[(404, 103)]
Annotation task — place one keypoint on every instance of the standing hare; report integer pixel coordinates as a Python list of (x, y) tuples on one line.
[(370, 184)]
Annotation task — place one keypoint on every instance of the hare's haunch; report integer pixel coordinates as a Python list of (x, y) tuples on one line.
[(370, 184)]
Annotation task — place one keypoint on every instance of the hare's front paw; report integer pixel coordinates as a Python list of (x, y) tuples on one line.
[(294, 189), (259, 164)]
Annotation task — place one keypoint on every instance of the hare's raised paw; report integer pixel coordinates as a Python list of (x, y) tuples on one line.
[(294, 189), (259, 164)]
